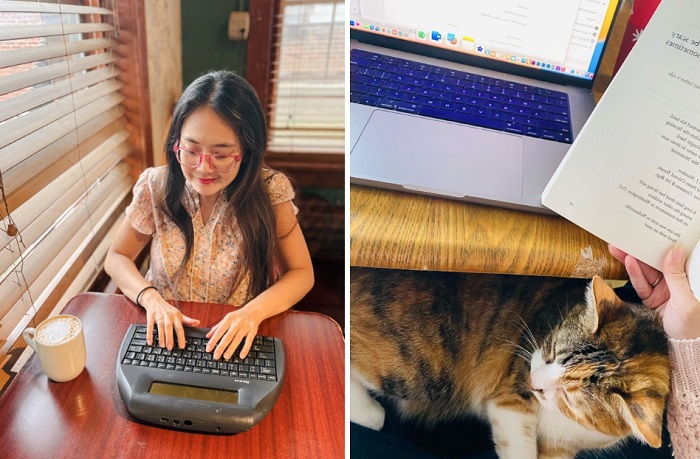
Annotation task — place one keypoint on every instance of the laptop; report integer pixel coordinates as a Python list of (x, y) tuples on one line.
[(476, 101)]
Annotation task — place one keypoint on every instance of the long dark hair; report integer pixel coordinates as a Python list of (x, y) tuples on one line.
[(236, 102)]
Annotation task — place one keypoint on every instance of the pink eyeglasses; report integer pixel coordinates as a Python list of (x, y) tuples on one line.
[(218, 162)]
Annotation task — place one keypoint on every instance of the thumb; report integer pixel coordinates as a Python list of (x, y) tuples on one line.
[(674, 272), (683, 309), (189, 321)]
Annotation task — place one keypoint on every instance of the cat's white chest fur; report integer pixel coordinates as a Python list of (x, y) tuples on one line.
[(558, 429)]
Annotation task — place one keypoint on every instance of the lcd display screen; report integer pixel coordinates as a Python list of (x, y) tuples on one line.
[(193, 392)]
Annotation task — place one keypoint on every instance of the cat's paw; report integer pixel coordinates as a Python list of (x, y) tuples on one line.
[(364, 409), (371, 417)]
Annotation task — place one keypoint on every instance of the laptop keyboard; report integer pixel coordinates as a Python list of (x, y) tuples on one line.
[(443, 93), (258, 364)]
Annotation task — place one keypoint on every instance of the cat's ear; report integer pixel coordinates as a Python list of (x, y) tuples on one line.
[(644, 415), (599, 296)]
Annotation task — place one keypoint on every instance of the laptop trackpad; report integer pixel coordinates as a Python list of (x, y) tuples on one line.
[(439, 157)]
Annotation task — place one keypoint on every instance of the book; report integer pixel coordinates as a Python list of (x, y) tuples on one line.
[(632, 176)]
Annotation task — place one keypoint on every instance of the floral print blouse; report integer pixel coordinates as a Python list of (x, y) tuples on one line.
[(216, 254)]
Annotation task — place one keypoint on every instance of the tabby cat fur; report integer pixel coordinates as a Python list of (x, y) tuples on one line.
[(555, 366)]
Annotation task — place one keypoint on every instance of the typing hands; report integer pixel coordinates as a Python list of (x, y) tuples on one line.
[(236, 327), (233, 329), (667, 292), (167, 319)]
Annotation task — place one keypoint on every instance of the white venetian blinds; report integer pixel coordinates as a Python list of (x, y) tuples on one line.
[(63, 144), (307, 112)]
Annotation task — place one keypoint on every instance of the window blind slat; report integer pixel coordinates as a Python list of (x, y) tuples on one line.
[(38, 31), (58, 118), (60, 244), (16, 302), (15, 81), (7, 6), (34, 98), (64, 283), (26, 178), (52, 50), (46, 206), (53, 217)]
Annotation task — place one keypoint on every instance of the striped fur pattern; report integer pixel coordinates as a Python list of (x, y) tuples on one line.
[(555, 365)]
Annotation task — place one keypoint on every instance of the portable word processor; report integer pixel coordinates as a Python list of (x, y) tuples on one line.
[(187, 389)]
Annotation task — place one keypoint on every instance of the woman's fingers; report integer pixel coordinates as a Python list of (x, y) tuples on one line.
[(227, 335)]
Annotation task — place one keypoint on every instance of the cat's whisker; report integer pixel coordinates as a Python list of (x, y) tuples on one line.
[(527, 333), (518, 350)]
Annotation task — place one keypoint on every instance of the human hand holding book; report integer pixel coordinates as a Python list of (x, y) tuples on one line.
[(632, 176), (667, 292)]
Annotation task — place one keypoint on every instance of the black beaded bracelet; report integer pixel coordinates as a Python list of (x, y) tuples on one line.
[(138, 297)]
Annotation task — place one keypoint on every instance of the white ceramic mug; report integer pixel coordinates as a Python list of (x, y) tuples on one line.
[(60, 345)]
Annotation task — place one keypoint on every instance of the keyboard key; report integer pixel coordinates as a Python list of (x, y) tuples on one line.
[(515, 128), (407, 107), (556, 117), (464, 118), (369, 100)]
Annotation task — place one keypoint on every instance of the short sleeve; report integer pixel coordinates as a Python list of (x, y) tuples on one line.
[(141, 211), (279, 187)]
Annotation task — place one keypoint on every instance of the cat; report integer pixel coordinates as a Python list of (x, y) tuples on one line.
[(555, 366)]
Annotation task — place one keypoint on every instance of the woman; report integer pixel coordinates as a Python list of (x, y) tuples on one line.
[(222, 225)]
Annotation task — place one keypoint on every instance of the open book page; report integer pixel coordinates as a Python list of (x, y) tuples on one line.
[(632, 177)]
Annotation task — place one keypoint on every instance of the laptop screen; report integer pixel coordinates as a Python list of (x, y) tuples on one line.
[(557, 37)]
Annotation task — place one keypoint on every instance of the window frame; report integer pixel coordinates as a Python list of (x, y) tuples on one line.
[(322, 170)]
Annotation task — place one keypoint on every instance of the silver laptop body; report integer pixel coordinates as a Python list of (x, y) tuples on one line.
[(409, 152)]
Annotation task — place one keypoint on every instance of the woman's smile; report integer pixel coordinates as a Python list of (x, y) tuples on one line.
[(206, 180)]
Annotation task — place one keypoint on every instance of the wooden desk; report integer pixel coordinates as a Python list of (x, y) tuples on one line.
[(87, 418), (397, 230)]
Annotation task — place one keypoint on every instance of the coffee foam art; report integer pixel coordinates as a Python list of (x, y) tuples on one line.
[(58, 330)]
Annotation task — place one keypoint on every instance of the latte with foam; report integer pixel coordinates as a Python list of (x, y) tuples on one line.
[(57, 330)]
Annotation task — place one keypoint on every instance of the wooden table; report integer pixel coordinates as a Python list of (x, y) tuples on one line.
[(390, 229), (87, 418)]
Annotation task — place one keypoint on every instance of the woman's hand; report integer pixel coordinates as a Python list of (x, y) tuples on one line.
[(649, 282), (671, 296), (120, 266), (681, 314), (233, 329), (161, 314)]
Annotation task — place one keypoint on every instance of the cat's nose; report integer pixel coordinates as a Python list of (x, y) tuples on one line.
[(532, 384), (539, 393)]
